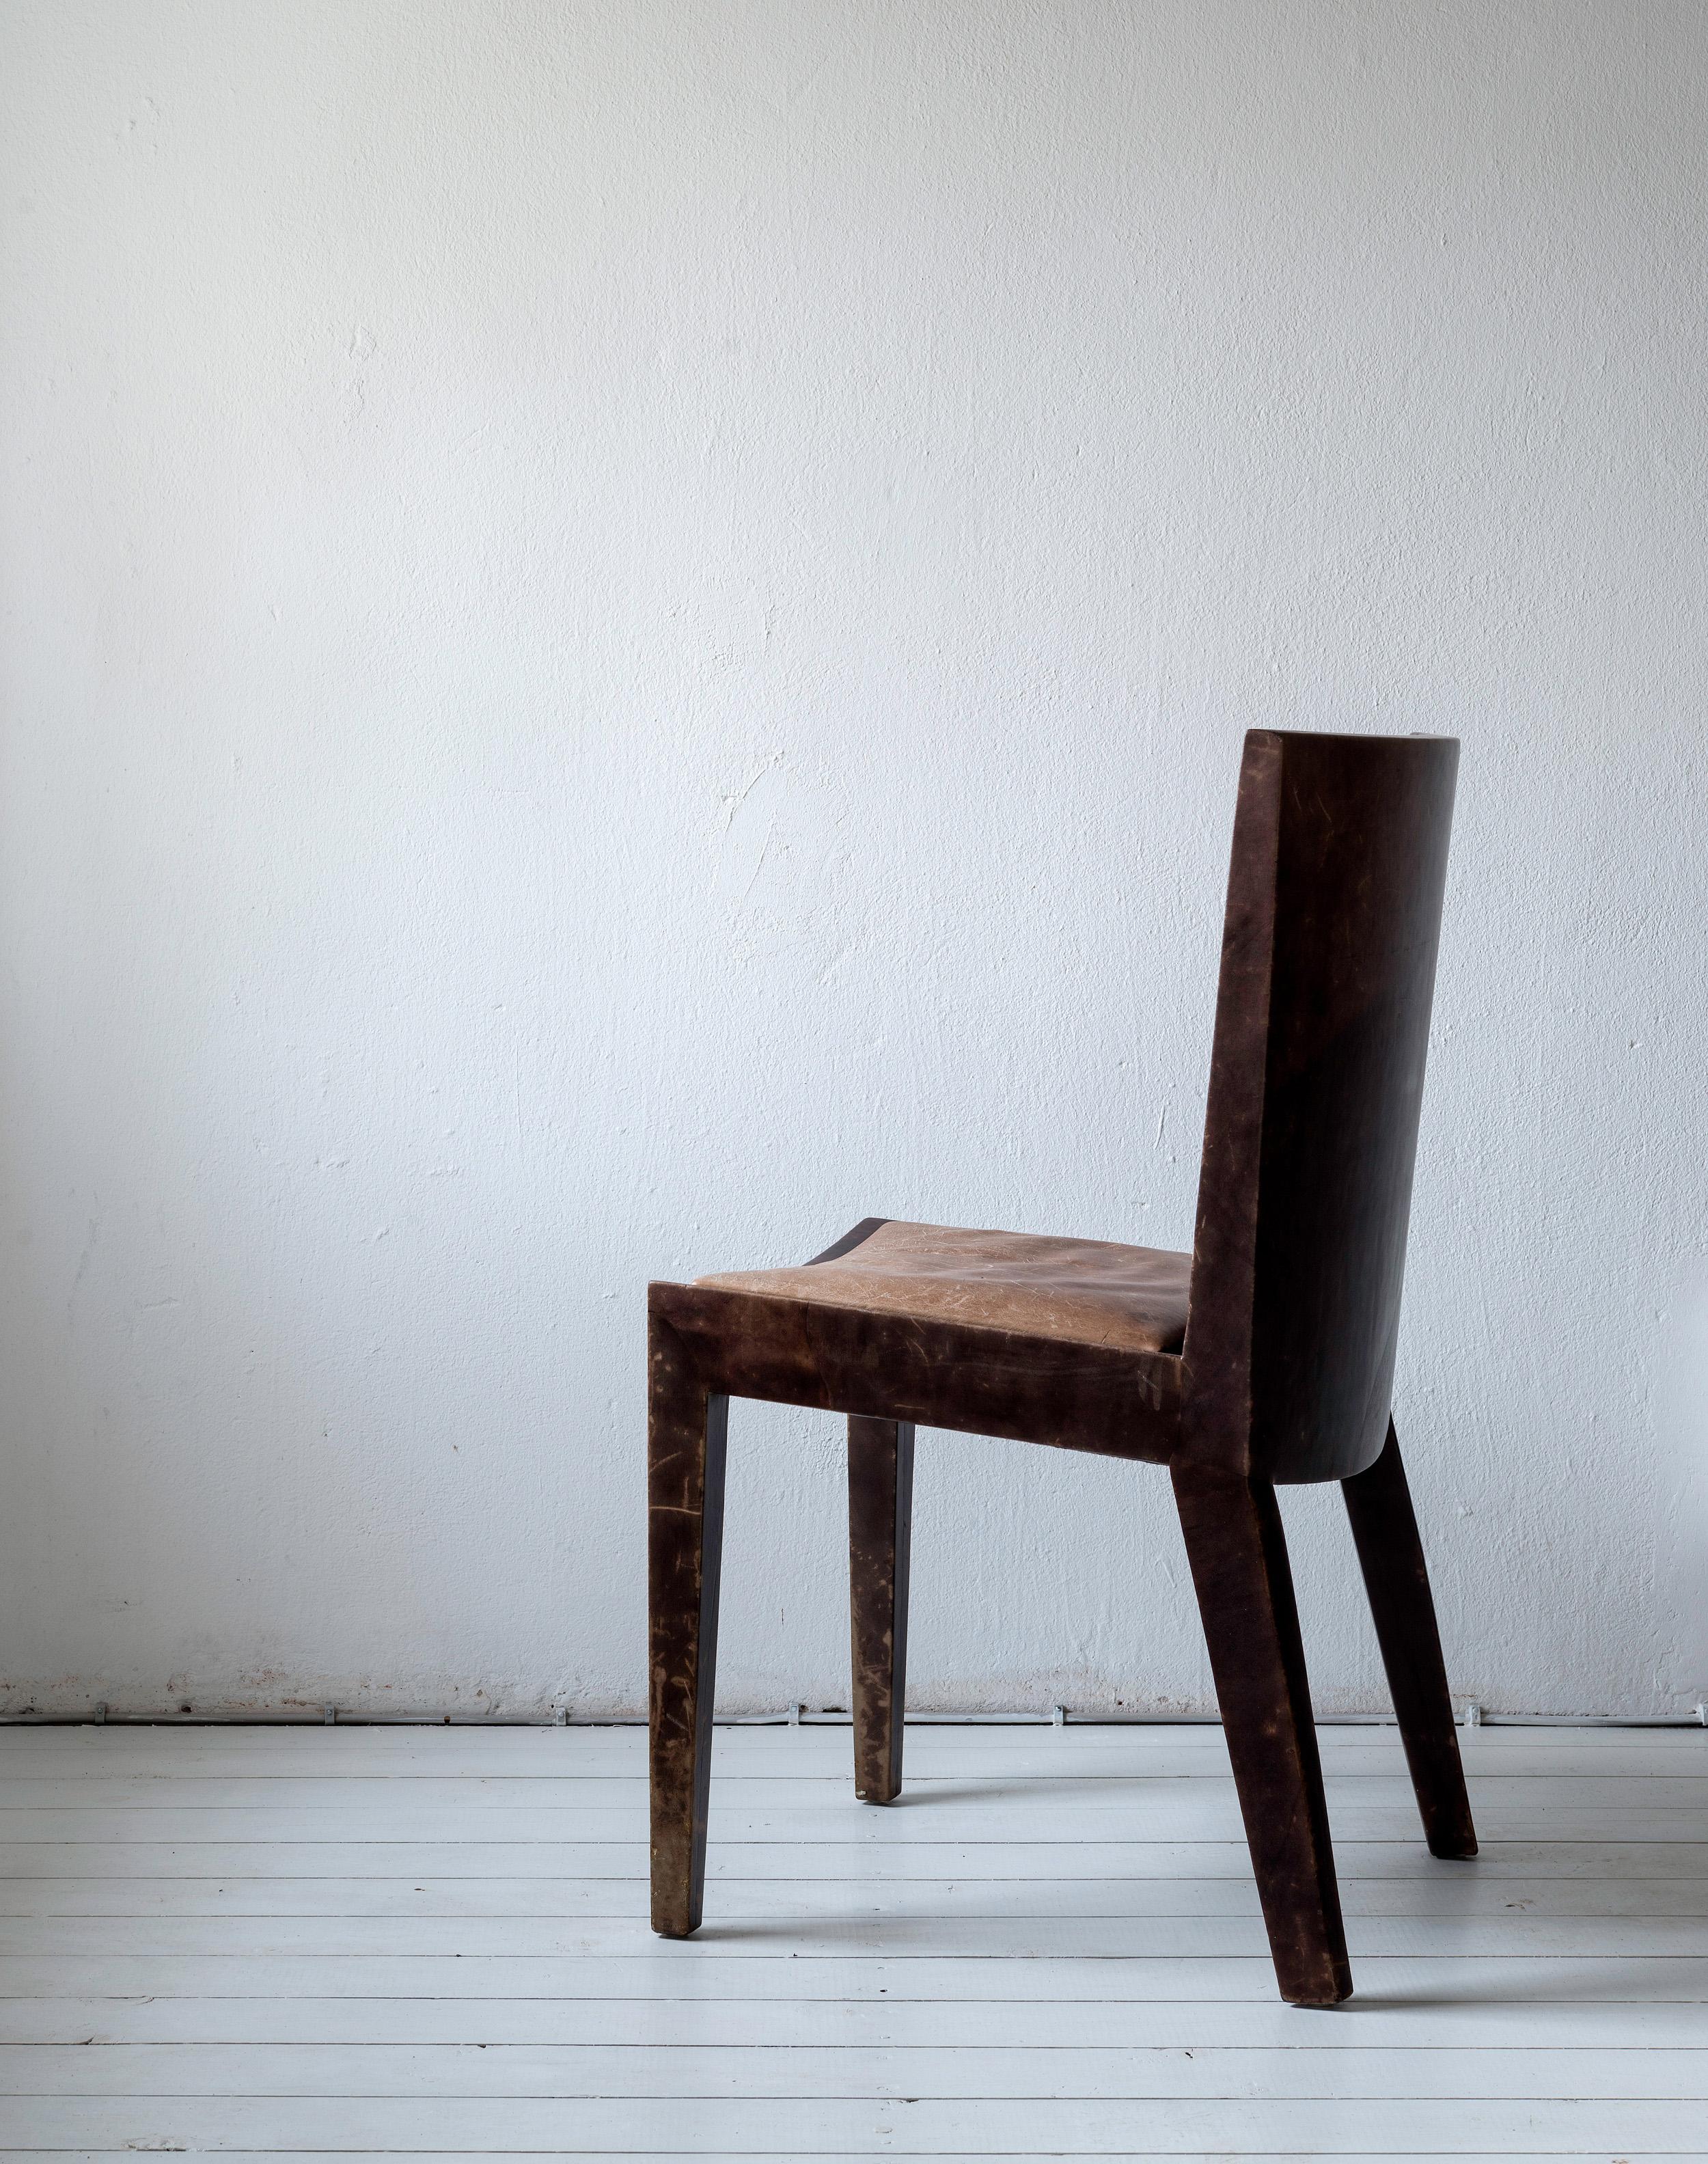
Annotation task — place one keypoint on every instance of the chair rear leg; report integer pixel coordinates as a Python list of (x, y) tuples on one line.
[(1384, 1528), (686, 1430), (879, 1526), (1238, 1555)]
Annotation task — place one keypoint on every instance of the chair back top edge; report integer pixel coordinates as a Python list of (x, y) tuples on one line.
[(1327, 976)]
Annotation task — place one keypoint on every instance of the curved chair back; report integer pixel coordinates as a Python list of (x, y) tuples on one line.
[(1316, 1078)]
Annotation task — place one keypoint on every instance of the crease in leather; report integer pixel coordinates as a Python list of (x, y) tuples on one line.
[(1085, 1292)]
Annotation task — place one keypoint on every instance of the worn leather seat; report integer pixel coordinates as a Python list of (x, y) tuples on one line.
[(1086, 1292)]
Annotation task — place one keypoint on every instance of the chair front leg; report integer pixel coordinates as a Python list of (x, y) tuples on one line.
[(879, 1524), (1238, 1555), (1396, 1579), (686, 1430)]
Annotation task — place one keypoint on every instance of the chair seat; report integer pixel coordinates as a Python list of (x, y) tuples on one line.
[(1083, 1292)]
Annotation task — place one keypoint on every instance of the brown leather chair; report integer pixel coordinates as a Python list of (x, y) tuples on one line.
[(1265, 1356)]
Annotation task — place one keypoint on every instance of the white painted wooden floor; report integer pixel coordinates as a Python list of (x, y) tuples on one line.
[(410, 1943)]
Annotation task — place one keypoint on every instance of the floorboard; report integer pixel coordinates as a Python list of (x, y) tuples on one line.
[(432, 1943)]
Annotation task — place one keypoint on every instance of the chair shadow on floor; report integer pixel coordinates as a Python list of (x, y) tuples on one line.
[(1620, 1979), (1479, 1981), (896, 1915)]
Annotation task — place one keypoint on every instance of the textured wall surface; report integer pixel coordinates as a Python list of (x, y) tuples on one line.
[(626, 629)]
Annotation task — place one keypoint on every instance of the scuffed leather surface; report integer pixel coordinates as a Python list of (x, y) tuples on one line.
[(1088, 1292)]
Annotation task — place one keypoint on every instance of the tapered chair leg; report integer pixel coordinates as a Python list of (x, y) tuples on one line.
[(686, 1428), (1384, 1528), (880, 1524), (1238, 1555)]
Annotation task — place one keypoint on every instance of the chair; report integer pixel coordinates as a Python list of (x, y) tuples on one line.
[(1266, 1356)]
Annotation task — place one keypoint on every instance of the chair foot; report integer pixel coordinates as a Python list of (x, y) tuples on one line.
[(880, 1520), (1238, 1555), (687, 1431), (1390, 1554)]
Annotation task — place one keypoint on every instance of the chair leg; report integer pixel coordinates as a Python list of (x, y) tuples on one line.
[(1384, 1528), (880, 1525), (686, 1428), (1238, 1555)]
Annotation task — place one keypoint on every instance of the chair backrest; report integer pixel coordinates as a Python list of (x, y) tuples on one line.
[(1316, 1078)]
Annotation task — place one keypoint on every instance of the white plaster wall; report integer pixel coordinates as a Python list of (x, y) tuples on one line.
[(626, 632)]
